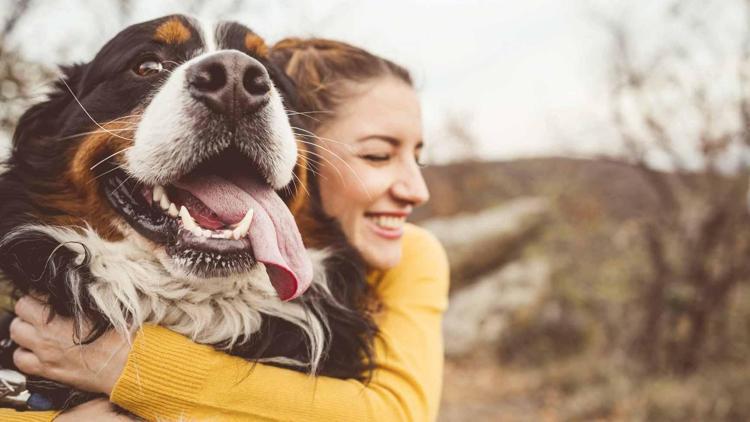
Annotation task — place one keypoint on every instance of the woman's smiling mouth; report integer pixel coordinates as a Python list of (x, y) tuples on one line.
[(389, 225)]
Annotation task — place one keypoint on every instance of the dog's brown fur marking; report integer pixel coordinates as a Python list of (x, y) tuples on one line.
[(255, 44), (172, 31), (77, 194)]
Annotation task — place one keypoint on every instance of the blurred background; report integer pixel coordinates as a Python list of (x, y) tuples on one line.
[(588, 169)]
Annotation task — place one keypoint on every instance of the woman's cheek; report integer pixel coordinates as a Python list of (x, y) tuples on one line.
[(375, 182), (360, 187)]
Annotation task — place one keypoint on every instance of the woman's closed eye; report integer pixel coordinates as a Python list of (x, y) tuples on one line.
[(377, 158), (383, 158)]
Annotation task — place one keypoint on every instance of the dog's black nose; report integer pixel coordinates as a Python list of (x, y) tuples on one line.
[(230, 83)]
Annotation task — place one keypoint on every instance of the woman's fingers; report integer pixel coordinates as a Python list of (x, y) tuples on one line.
[(48, 349), (23, 333), (31, 310), (26, 361)]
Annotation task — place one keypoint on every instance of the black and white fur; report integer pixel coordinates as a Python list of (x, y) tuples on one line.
[(131, 281)]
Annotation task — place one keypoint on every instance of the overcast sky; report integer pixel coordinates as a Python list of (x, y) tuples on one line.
[(527, 76)]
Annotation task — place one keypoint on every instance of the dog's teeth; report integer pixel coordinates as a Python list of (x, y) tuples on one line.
[(248, 218), (221, 234), (173, 211), (158, 193), (243, 226), (160, 197), (187, 221)]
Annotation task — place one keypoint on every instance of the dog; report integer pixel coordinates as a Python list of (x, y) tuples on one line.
[(159, 184)]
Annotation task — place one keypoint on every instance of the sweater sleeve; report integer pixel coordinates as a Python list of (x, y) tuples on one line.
[(10, 415), (167, 376)]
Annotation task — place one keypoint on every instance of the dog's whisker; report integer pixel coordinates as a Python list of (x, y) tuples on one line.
[(127, 117), (310, 168), (314, 136), (76, 135), (87, 113), (303, 114), (323, 138), (289, 189), (351, 169), (302, 185), (293, 185), (295, 112), (123, 182), (314, 169), (125, 120), (341, 176), (106, 173), (110, 156)]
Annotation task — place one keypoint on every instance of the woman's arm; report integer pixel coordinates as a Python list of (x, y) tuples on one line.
[(169, 376), (10, 415), (99, 410)]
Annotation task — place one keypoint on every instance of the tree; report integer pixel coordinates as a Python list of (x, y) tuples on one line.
[(680, 102), (19, 79)]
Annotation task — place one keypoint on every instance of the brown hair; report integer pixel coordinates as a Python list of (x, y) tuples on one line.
[(325, 70)]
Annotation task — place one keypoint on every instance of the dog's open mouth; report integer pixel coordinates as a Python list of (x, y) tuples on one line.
[(218, 220)]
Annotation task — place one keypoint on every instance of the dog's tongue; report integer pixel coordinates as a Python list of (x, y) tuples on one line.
[(274, 236)]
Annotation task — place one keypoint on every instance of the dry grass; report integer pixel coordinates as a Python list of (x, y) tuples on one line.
[(570, 358)]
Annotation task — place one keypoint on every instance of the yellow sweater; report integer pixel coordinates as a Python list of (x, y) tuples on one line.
[(168, 377)]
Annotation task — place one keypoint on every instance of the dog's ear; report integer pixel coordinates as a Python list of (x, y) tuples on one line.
[(44, 119), (284, 84), (293, 193)]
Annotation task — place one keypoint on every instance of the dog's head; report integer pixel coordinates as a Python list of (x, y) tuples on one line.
[(175, 136)]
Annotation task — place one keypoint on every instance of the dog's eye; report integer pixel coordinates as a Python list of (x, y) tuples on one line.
[(148, 67)]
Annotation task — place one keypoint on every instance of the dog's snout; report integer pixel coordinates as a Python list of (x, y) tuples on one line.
[(229, 82)]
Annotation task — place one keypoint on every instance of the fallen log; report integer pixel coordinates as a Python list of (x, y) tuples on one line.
[(479, 243), (478, 314)]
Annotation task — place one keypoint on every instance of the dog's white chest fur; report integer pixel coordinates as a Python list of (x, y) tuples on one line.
[(132, 288)]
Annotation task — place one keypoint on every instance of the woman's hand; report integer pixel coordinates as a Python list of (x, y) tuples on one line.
[(94, 410), (49, 350)]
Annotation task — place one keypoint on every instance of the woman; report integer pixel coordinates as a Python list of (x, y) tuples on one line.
[(368, 125)]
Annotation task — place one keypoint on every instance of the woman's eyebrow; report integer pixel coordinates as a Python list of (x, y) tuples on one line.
[(390, 139)]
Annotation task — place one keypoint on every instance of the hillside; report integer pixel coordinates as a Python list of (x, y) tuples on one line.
[(580, 185), (553, 331)]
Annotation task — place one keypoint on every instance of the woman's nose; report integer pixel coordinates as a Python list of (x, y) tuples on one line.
[(411, 187)]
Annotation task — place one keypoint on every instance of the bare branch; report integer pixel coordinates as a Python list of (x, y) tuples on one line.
[(19, 9)]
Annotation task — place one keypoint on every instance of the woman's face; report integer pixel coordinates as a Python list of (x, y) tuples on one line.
[(369, 178)]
